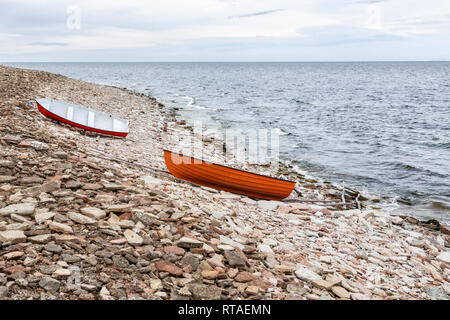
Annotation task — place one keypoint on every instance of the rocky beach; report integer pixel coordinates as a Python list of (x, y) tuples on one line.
[(93, 217)]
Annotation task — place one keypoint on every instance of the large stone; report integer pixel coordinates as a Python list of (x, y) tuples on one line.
[(42, 217), (191, 260), (322, 284), (6, 163), (13, 255), (244, 276), (268, 205), (120, 207), (5, 179), (51, 247), (231, 242), (166, 266), (12, 236), (23, 209), (60, 227), (234, 259), (133, 238), (151, 181), (265, 249), (174, 250), (44, 188), (39, 145), (4, 291), (93, 212), (41, 239), (50, 284), (204, 292), (210, 274), (120, 261), (79, 218), (61, 273), (73, 184), (341, 292), (444, 257), (216, 261), (306, 274), (186, 242)]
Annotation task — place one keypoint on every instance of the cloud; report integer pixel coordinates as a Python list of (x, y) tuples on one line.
[(36, 28), (261, 13), (342, 34), (49, 44)]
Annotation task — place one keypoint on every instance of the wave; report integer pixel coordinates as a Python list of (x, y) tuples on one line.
[(198, 107), (281, 132), (412, 168), (191, 100)]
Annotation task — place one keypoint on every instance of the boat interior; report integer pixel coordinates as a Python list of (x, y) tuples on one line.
[(83, 116)]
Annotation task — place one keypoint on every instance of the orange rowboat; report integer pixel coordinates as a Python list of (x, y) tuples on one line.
[(225, 178)]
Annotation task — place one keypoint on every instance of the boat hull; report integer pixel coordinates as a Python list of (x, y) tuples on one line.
[(225, 178), (46, 112)]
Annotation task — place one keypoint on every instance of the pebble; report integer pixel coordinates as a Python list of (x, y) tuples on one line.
[(166, 266), (12, 236), (23, 209), (79, 218), (444, 257), (60, 227), (133, 238), (94, 213), (50, 284), (341, 292), (188, 243), (234, 259), (44, 216), (306, 274)]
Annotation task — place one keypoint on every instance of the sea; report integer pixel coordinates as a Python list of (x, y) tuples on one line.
[(379, 127)]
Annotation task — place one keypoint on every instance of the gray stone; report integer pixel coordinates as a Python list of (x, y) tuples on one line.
[(48, 269), (186, 242), (79, 218), (23, 209), (231, 242), (42, 238), (444, 257), (133, 238), (234, 259), (38, 145), (151, 181), (53, 248), (13, 236), (42, 217), (70, 258), (306, 274), (93, 212), (50, 284), (120, 261), (204, 292), (436, 293), (268, 205), (192, 260), (6, 163), (265, 249), (120, 207), (60, 227), (4, 291)]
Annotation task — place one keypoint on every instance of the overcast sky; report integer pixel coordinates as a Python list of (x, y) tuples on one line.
[(224, 30)]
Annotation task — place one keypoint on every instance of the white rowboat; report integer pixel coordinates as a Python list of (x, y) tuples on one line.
[(84, 118)]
